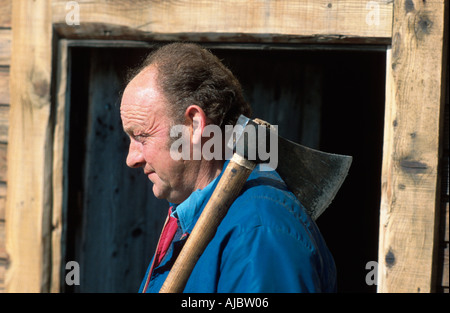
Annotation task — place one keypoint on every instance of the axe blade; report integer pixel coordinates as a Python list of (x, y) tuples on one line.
[(313, 176)]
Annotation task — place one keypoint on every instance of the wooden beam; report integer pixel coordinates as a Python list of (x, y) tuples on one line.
[(413, 119), (59, 144), (5, 47), (4, 124), (28, 208), (5, 13), (253, 20), (4, 86)]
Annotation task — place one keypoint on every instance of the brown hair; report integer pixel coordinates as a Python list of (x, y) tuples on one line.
[(189, 74)]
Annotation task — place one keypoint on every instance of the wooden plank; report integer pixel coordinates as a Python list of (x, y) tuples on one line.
[(3, 189), (2, 208), (5, 47), (413, 119), (253, 20), (58, 244), (28, 208), (5, 13), (4, 85), (3, 161), (3, 254), (2, 276), (4, 123)]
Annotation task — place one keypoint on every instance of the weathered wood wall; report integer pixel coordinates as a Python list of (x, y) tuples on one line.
[(29, 197), (5, 60), (415, 89), (349, 21)]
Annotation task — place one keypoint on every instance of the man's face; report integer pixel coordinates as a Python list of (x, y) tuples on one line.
[(146, 121)]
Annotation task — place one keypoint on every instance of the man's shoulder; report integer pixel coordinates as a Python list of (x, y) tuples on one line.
[(266, 188), (266, 201)]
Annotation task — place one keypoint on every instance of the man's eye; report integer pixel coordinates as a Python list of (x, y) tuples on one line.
[(140, 138)]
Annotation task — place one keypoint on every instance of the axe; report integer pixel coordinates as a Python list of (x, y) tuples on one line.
[(313, 176)]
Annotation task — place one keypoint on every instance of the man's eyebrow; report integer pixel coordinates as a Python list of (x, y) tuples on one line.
[(128, 131), (132, 133)]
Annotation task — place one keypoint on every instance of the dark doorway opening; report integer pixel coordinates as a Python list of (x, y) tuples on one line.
[(332, 100)]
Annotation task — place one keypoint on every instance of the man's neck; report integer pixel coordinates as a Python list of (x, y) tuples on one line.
[(208, 171)]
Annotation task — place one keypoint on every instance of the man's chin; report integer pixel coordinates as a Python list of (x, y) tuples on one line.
[(168, 194), (158, 193), (164, 195)]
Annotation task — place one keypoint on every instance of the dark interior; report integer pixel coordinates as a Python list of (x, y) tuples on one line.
[(332, 100)]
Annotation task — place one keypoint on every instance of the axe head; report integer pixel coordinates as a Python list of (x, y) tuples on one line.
[(313, 176)]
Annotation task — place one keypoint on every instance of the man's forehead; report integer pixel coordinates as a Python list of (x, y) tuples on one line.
[(142, 83), (142, 91), (139, 95), (145, 76), (142, 101)]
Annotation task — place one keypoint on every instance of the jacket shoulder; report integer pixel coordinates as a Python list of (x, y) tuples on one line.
[(265, 201)]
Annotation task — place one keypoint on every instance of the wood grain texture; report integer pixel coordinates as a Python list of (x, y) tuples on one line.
[(4, 86), (5, 13), (5, 47), (323, 19), (3, 161), (28, 208), (4, 124), (412, 123), (413, 119), (59, 144)]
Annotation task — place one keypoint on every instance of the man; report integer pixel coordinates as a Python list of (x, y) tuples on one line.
[(266, 242)]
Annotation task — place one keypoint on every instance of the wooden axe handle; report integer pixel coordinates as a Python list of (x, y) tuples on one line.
[(228, 188)]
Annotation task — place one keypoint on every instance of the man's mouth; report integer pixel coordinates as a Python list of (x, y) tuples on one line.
[(149, 174)]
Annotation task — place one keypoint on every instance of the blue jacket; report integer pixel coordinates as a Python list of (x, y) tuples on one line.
[(265, 243)]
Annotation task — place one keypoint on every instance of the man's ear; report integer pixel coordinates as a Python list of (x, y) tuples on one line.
[(196, 118)]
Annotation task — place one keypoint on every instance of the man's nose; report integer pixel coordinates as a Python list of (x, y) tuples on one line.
[(135, 156)]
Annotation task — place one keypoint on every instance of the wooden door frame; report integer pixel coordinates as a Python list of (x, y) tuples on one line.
[(412, 30)]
